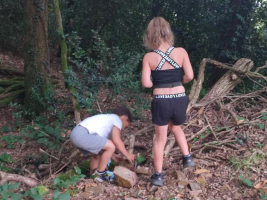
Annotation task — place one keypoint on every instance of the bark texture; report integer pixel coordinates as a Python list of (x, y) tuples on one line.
[(36, 53)]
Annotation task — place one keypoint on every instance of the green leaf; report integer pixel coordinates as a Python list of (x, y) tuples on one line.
[(11, 146), (201, 136), (227, 128), (64, 197), (4, 194), (5, 186), (56, 193), (42, 190), (140, 159), (37, 197), (56, 181), (13, 186), (248, 182), (78, 170), (5, 129), (34, 191), (93, 176), (16, 196), (264, 117), (261, 126)]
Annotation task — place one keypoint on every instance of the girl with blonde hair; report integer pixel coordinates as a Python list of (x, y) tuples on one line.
[(166, 65)]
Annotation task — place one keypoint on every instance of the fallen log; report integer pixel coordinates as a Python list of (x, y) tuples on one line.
[(18, 178)]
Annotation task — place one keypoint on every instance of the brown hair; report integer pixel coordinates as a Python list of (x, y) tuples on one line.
[(158, 31), (121, 110)]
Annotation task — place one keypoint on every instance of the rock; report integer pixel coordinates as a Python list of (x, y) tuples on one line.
[(182, 184), (162, 194), (142, 170), (238, 195), (225, 188), (194, 186), (96, 190), (179, 175), (86, 195), (195, 192), (125, 177), (202, 180)]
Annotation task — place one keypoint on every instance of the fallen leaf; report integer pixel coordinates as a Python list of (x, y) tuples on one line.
[(189, 148), (240, 121), (63, 134), (201, 111), (260, 185), (36, 128), (200, 171), (201, 180)]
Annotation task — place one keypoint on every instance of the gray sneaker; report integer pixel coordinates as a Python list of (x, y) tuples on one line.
[(188, 162), (157, 179)]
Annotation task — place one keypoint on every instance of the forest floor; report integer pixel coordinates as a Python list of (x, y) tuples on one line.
[(217, 174)]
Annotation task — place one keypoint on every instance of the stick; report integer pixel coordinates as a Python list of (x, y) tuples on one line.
[(144, 129), (210, 127), (198, 133), (131, 144), (15, 177), (98, 106), (169, 146), (48, 154)]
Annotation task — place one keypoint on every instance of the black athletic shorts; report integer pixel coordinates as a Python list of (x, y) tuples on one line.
[(166, 108)]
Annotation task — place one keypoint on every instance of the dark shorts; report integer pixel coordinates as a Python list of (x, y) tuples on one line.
[(166, 108)]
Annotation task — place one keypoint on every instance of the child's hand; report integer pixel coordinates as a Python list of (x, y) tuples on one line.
[(130, 157), (117, 158)]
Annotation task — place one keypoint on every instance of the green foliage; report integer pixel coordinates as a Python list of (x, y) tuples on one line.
[(72, 180), (5, 129), (6, 194), (4, 157), (260, 125), (246, 181), (140, 159), (37, 193), (263, 195), (264, 116), (58, 196)]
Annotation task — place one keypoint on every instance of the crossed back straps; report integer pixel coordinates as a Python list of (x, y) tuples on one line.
[(165, 57)]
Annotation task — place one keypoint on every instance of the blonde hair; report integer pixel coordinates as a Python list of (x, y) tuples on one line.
[(158, 31)]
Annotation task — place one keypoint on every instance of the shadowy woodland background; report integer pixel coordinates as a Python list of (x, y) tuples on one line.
[(62, 61)]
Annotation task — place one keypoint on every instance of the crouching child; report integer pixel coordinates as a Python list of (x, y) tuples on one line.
[(100, 136)]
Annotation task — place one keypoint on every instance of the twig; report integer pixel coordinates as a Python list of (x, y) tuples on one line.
[(198, 133), (98, 106), (48, 154), (210, 127), (144, 129)]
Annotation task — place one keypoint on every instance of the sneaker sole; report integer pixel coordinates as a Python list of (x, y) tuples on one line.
[(156, 183), (189, 165)]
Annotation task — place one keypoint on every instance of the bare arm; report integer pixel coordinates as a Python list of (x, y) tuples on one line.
[(146, 73), (116, 137), (188, 70)]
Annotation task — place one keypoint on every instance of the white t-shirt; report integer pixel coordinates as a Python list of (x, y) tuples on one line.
[(102, 124)]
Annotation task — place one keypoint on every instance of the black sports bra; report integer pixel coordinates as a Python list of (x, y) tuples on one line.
[(167, 78)]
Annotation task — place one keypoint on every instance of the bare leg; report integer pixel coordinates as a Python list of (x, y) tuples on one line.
[(94, 162), (180, 138), (159, 144), (106, 155)]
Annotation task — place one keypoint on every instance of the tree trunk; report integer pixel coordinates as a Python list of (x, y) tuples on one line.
[(36, 54), (228, 81), (64, 63)]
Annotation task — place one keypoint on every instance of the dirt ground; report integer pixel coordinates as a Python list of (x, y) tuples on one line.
[(216, 175)]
